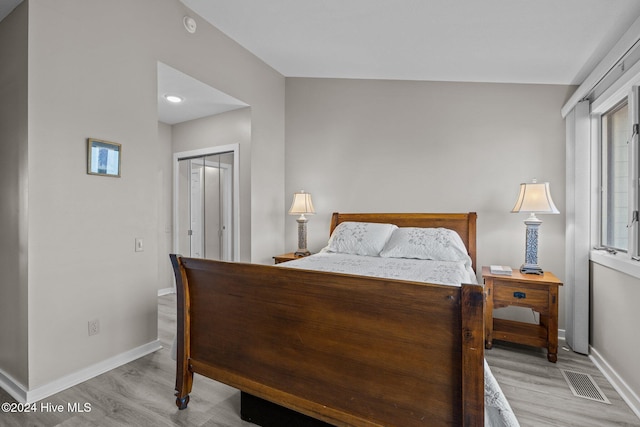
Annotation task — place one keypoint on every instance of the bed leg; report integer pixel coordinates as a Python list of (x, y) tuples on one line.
[(184, 381), (182, 402)]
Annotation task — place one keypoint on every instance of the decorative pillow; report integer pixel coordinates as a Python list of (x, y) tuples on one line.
[(440, 244), (360, 238)]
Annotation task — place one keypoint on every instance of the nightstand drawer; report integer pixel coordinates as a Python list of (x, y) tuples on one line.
[(505, 294)]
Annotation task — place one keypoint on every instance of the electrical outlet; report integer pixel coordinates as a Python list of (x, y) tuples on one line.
[(94, 327)]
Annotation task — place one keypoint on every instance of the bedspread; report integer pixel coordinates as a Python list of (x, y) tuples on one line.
[(417, 270)]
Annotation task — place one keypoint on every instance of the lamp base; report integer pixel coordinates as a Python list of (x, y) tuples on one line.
[(530, 265), (302, 237), (531, 269)]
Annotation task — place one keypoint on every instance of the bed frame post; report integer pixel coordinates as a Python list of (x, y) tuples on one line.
[(471, 239), (184, 376), (472, 355)]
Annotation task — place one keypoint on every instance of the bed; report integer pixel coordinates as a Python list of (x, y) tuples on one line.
[(345, 349)]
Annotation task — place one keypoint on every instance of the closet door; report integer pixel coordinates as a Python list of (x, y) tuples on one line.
[(205, 207), (219, 207)]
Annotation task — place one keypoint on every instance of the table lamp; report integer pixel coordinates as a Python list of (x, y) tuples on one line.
[(302, 206), (534, 197)]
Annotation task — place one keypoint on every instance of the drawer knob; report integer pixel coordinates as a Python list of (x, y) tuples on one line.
[(519, 295)]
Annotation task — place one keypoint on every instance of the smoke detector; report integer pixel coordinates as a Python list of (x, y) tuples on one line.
[(189, 24)]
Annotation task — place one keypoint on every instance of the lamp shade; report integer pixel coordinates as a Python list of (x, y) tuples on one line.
[(535, 197), (302, 204)]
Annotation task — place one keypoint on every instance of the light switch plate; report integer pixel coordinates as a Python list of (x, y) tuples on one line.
[(139, 244)]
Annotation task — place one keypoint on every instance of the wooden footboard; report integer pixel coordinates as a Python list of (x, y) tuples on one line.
[(348, 350)]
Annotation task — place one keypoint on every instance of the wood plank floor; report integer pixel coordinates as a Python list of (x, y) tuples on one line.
[(141, 392), (540, 396)]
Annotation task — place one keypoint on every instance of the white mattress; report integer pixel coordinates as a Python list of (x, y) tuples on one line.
[(497, 411)]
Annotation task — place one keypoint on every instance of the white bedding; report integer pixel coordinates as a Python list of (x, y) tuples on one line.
[(498, 412), (417, 270)]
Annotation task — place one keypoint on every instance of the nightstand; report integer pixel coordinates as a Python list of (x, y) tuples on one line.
[(286, 257), (537, 292)]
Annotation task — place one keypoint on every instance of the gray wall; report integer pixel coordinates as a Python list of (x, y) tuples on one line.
[(406, 146), (92, 73), (614, 322), (13, 158), (164, 184)]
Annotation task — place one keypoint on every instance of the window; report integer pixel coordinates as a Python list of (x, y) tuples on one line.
[(616, 170), (604, 175)]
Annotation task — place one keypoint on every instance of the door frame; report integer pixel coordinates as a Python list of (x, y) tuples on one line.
[(183, 155)]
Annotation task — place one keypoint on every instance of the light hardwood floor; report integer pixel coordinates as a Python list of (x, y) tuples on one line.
[(140, 393), (540, 396)]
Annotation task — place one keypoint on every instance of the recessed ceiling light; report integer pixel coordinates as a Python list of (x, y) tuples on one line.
[(173, 98)]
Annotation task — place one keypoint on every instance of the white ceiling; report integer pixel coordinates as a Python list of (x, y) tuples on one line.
[(511, 41), (199, 99), (519, 41)]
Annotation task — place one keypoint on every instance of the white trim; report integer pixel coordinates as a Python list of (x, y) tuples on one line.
[(166, 291), (235, 148), (617, 91), (22, 395), (619, 262), (632, 182), (629, 38), (596, 173), (15, 388), (627, 394)]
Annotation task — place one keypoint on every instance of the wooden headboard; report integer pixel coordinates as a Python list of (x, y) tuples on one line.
[(463, 223)]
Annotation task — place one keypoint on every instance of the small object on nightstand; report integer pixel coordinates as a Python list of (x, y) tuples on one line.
[(287, 257), (537, 292), (503, 270)]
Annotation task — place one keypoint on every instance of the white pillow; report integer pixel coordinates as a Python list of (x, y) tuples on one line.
[(440, 244), (360, 238)]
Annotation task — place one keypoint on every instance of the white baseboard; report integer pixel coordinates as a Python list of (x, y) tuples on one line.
[(9, 384), (166, 291), (627, 394), (561, 334), (19, 392)]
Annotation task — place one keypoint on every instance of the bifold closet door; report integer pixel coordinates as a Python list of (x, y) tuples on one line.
[(205, 198)]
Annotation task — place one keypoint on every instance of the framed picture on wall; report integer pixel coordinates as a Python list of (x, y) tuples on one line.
[(104, 157)]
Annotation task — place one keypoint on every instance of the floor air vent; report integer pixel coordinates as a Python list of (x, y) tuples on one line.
[(582, 385)]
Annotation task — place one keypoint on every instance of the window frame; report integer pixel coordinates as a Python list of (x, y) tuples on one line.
[(599, 110), (608, 179)]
